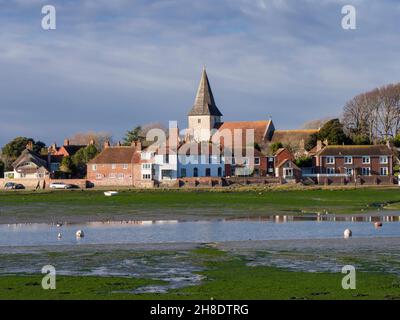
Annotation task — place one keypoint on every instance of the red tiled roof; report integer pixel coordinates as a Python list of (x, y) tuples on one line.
[(259, 127), (115, 155)]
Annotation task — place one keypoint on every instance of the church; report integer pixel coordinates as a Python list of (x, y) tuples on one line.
[(195, 156)]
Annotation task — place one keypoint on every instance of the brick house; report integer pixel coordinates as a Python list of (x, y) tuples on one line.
[(371, 164), (115, 166)]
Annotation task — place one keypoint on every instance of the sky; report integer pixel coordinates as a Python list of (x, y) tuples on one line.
[(112, 65)]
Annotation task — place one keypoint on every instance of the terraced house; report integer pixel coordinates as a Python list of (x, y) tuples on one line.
[(344, 164)]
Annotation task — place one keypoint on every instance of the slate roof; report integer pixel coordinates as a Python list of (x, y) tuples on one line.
[(204, 103)]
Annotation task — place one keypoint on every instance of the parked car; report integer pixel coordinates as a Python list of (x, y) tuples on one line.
[(13, 186), (60, 185)]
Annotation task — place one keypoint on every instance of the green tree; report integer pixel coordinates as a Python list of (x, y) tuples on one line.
[(332, 131), (361, 139), (275, 146), (132, 135), (303, 162), (311, 141), (82, 157), (67, 165), (2, 166)]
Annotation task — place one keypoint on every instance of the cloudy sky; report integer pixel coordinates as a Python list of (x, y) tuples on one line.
[(111, 65)]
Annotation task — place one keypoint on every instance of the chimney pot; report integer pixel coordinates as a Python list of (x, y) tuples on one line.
[(66, 142)]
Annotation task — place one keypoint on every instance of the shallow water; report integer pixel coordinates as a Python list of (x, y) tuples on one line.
[(130, 232)]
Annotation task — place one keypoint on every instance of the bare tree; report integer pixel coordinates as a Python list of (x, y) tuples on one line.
[(374, 114)]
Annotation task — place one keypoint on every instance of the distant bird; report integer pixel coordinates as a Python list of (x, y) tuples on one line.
[(59, 224), (80, 234), (347, 233), (378, 225), (59, 236)]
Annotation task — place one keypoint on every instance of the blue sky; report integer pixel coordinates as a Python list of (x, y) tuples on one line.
[(111, 65)]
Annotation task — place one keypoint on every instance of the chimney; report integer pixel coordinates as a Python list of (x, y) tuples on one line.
[(91, 142), (66, 142), (119, 144), (29, 145), (106, 144), (138, 145), (319, 145), (388, 144)]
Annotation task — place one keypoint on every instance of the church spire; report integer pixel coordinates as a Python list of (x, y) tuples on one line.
[(204, 103)]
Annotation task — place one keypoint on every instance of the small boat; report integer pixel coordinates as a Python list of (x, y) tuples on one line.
[(110, 193)]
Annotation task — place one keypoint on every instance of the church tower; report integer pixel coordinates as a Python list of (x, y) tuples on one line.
[(204, 114)]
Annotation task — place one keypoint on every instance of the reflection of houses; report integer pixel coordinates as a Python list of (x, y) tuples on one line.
[(29, 165)]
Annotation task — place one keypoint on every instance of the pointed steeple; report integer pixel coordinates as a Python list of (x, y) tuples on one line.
[(204, 103)]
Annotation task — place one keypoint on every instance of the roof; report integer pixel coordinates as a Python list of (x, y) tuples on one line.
[(72, 149), (260, 129), (292, 136), (286, 160), (115, 155), (29, 156), (204, 103), (377, 150)]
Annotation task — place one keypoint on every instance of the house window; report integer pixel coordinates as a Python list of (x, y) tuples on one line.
[(94, 167), (349, 171), (121, 176), (166, 158), (271, 159), (112, 176), (198, 120), (146, 166), (348, 160), (146, 176), (256, 161), (330, 170), (195, 172), (330, 160), (99, 176), (271, 170), (183, 172), (383, 159), (125, 166), (366, 159), (366, 171), (219, 172), (113, 166), (208, 172), (384, 171)]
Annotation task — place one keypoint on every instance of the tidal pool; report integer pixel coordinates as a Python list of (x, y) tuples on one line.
[(130, 232)]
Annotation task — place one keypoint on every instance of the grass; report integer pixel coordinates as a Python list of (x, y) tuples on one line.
[(182, 202), (227, 277)]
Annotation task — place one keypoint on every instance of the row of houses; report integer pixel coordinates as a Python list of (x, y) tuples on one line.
[(211, 150)]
